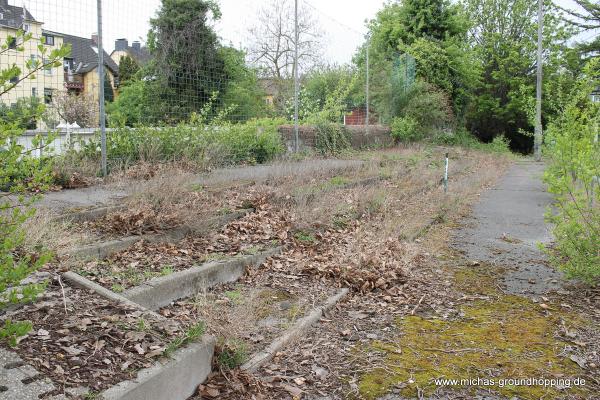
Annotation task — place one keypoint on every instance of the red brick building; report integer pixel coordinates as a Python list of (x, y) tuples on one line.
[(358, 116)]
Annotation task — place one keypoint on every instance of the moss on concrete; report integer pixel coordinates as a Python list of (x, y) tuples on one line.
[(500, 338)]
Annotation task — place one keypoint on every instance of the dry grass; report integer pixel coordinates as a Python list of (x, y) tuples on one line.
[(44, 230)]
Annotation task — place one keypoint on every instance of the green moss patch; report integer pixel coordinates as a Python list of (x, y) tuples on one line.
[(506, 337)]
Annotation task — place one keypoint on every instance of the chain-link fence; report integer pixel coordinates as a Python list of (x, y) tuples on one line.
[(108, 64)]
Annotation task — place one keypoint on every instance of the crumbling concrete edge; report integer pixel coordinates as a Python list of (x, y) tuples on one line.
[(176, 379), (294, 332), (84, 283), (88, 214), (162, 291), (105, 249)]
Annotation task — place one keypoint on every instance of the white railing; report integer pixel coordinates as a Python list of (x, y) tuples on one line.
[(65, 139)]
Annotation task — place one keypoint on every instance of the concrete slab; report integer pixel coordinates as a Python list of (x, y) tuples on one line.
[(301, 326), (162, 291), (106, 249), (19, 380), (177, 379)]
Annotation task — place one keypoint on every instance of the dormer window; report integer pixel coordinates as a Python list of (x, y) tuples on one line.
[(48, 39)]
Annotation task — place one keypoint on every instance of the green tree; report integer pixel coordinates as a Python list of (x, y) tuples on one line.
[(585, 21), (504, 35), (242, 93), (137, 104), (186, 58), (433, 32), (128, 69), (109, 93), (15, 162)]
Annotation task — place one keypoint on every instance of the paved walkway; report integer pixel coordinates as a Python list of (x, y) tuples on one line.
[(100, 196), (506, 227)]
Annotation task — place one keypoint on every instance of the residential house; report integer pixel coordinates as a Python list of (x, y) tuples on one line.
[(79, 73), (81, 66), (140, 54), (46, 82)]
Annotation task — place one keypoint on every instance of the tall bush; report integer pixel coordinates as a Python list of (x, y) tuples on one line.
[(15, 264), (573, 176)]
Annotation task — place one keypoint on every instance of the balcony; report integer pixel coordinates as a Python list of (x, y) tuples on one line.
[(73, 81)]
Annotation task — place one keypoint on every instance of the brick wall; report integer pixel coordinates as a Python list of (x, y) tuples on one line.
[(378, 136)]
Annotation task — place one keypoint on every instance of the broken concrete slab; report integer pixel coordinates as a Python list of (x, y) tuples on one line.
[(105, 249), (176, 379), (21, 381), (162, 291), (301, 326)]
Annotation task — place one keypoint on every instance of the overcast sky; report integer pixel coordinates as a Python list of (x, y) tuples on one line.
[(343, 21)]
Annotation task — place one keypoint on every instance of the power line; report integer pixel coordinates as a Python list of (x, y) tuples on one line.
[(333, 19)]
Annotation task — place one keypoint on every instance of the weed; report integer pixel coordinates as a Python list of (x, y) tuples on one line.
[(142, 326), (196, 187), (166, 270), (234, 295), (117, 288), (338, 181), (190, 335), (232, 354), (305, 237)]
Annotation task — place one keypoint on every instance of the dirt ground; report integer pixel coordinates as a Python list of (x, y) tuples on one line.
[(442, 285)]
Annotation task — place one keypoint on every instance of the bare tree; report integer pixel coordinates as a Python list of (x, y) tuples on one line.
[(78, 108), (273, 40)]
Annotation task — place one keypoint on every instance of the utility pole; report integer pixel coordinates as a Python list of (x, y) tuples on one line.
[(538, 103), (101, 90), (367, 86), (296, 83)]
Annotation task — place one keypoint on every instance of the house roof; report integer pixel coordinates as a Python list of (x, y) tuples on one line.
[(13, 16), (85, 54), (141, 55)]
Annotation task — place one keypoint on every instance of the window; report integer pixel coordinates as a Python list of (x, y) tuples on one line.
[(14, 80), (1, 16), (47, 68), (48, 93), (34, 62), (12, 42), (68, 64), (48, 39), (25, 27), (33, 92)]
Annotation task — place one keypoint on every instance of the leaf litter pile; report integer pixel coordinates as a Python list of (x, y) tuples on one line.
[(256, 231), (82, 340)]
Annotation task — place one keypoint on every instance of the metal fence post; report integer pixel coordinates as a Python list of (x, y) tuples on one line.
[(101, 90), (367, 122), (296, 83)]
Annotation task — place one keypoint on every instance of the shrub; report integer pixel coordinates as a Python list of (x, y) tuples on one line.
[(573, 178), (332, 139), (205, 145), (24, 113), (405, 129), (17, 264)]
